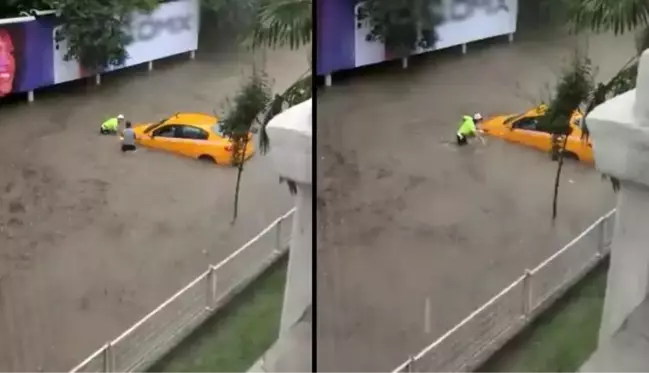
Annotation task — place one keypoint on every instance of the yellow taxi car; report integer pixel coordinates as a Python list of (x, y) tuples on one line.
[(523, 129), (195, 135)]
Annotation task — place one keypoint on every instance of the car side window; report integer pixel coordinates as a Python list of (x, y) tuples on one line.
[(528, 123), (165, 131), (193, 133)]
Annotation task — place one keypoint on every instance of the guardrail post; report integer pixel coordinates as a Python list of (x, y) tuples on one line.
[(210, 288), (109, 363), (411, 360), (527, 293), (278, 235)]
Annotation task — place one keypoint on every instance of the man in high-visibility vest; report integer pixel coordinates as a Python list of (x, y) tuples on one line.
[(111, 125), (468, 128)]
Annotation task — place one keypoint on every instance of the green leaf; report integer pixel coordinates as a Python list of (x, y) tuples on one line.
[(281, 23), (243, 110), (403, 26), (298, 92), (619, 16), (574, 88)]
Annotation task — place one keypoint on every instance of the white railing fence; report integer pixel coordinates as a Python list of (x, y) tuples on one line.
[(163, 328), (471, 342)]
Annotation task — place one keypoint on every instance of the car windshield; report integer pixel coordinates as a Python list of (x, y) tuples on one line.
[(152, 126), (512, 118)]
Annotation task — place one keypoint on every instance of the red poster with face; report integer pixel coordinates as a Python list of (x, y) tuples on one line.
[(7, 63)]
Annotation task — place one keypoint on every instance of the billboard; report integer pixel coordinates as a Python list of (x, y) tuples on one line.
[(342, 40), (30, 58), (172, 28), (25, 57)]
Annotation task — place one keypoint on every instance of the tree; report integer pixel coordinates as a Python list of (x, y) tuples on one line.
[(572, 91), (96, 30), (620, 17), (281, 23), (243, 112), (276, 23), (403, 26)]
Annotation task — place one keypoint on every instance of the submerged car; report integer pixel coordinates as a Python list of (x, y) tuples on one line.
[(195, 135), (523, 129)]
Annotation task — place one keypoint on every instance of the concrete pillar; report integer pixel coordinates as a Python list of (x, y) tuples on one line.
[(150, 66), (192, 55), (328, 80), (619, 130), (291, 134), (97, 79), (298, 293), (510, 37), (30, 96), (463, 48)]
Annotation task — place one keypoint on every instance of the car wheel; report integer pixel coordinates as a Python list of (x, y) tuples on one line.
[(207, 159)]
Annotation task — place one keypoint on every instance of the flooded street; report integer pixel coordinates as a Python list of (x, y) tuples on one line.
[(92, 239), (404, 215)]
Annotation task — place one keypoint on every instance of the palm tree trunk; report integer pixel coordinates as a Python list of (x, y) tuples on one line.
[(557, 178), (236, 194), (239, 158)]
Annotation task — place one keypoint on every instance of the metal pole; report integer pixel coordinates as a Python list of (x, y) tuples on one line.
[(410, 361), (210, 288), (328, 80), (278, 236), (214, 283), (427, 311), (527, 293), (601, 233), (109, 363)]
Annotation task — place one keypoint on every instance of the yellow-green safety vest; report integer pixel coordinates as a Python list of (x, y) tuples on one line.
[(467, 127), (111, 124)]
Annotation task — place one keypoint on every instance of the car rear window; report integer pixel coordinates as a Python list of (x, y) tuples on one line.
[(217, 128)]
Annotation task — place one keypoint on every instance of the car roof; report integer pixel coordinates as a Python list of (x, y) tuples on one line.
[(202, 120)]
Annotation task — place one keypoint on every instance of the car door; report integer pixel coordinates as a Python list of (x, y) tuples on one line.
[(192, 141), (164, 138), (525, 131)]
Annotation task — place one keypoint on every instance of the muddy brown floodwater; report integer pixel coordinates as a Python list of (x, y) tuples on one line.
[(90, 239), (403, 215)]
